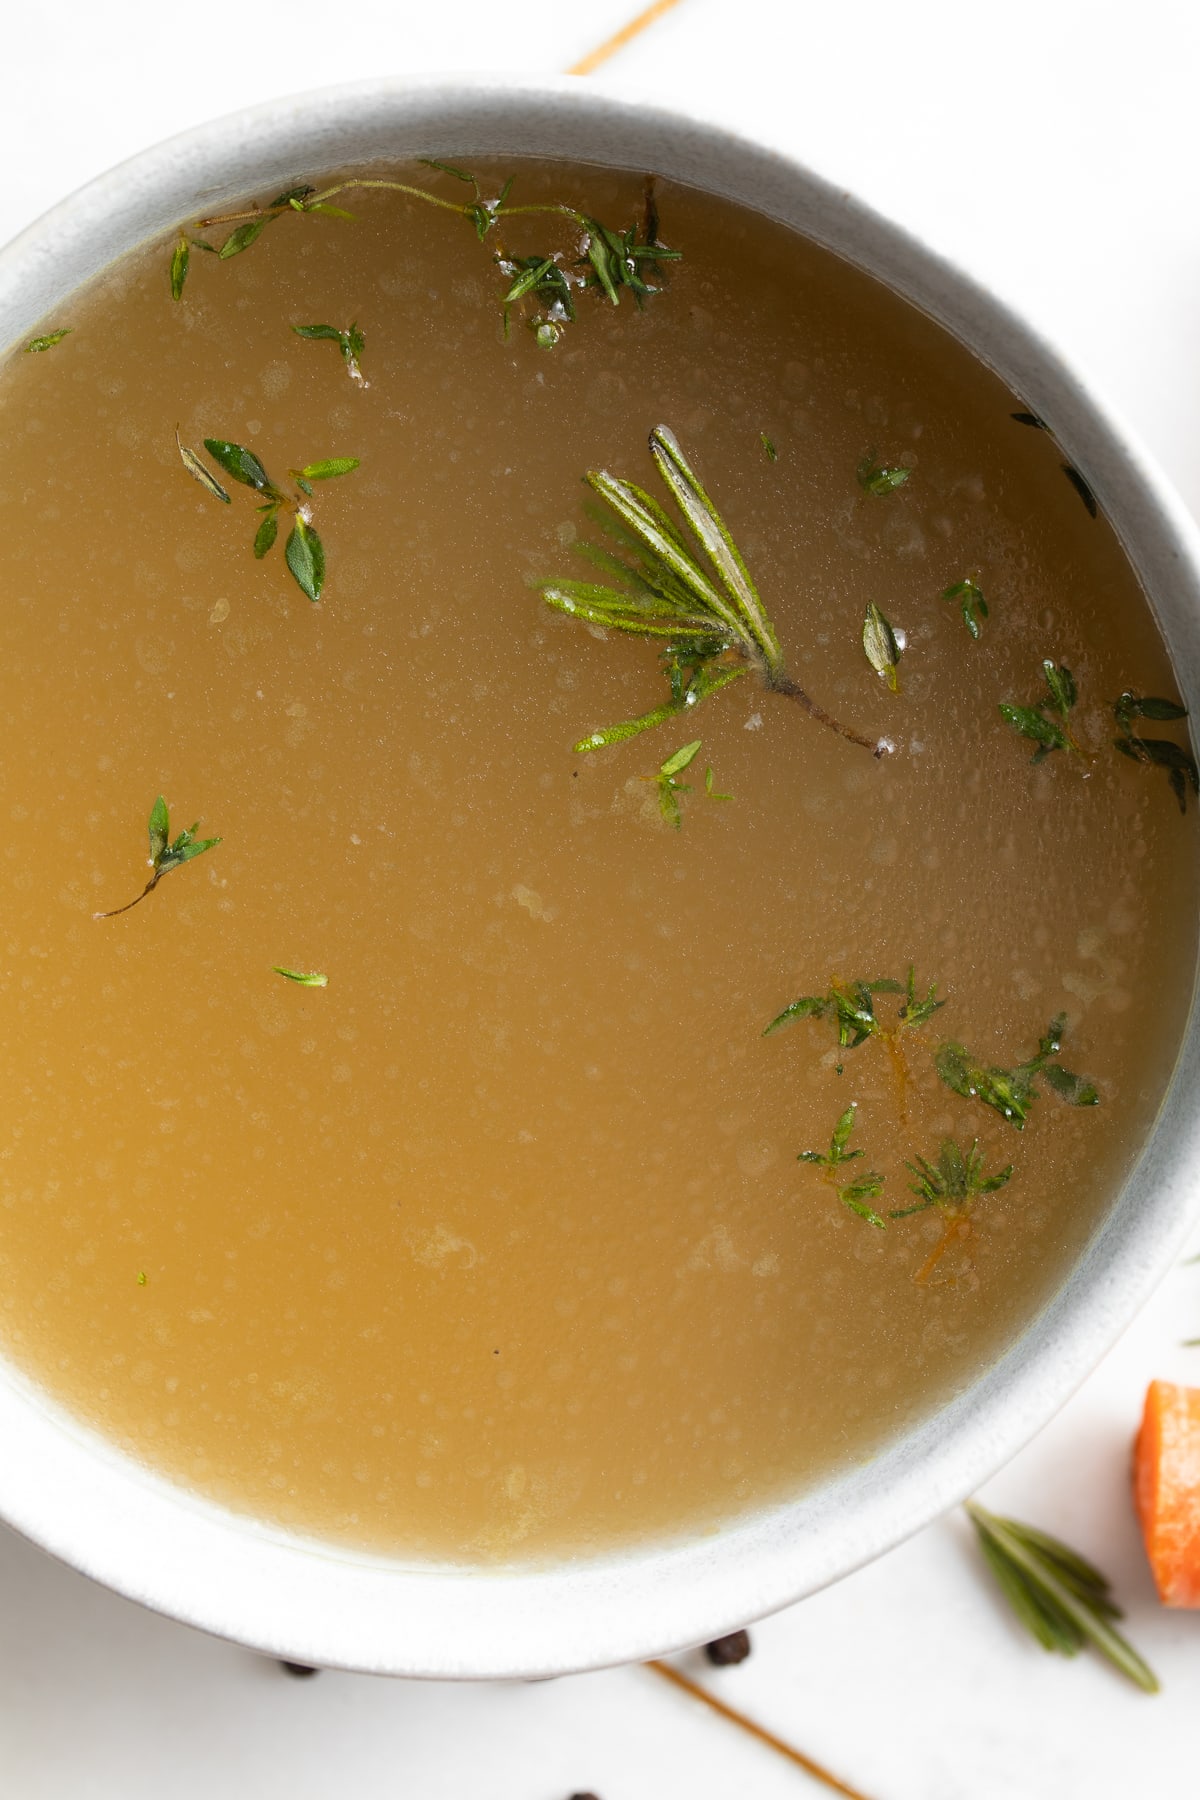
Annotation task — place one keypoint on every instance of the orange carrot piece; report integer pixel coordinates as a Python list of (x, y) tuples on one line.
[(1166, 1477)]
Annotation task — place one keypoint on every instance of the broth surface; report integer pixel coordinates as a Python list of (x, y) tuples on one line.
[(498, 1246)]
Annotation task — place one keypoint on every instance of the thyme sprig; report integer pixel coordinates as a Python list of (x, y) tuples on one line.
[(165, 855), (953, 1181), (1045, 719), (304, 552), (670, 787), (1011, 1092), (855, 1193), (1158, 752), (350, 342), (851, 1006), (692, 593), (611, 263), (1060, 1597)]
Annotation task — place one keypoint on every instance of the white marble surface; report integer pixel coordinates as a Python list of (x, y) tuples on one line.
[(1050, 144)]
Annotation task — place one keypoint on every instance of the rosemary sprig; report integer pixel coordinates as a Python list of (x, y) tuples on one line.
[(692, 594), (969, 597), (350, 342), (164, 855), (1011, 1092), (953, 1181), (610, 263), (304, 552), (855, 1193), (1058, 1595), (881, 647), (1045, 719), (1158, 752)]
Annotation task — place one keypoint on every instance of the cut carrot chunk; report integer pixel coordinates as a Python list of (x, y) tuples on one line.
[(1166, 1479)]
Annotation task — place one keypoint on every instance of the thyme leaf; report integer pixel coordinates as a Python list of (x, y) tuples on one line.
[(969, 596), (682, 584), (1161, 753), (305, 555), (164, 855), (851, 1006), (855, 1193), (1011, 1092), (180, 259), (880, 478), (302, 977), (769, 450), (670, 787), (36, 345), (1035, 721), (351, 342), (1060, 1597), (881, 647), (953, 1181)]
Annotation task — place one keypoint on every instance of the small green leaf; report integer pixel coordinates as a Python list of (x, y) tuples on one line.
[(878, 478), (266, 534), (36, 345), (241, 463), (198, 472), (769, 450), (302, 977), (969, 596), (880, 645), (179, 267), (318, 331), (160, 830), (676, 764), (325, 471), (306, 558), (242, 238)]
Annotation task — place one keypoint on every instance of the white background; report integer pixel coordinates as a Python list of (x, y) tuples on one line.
[(1051, 147)]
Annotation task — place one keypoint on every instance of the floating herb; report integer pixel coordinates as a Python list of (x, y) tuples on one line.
[(141, 1277), (164, 855), (881, 647), (851, 1005), (1179, 763), (36, 345), (350, 342), (180, 262), (880, 478), (670, 787), (953, 1181), (302, 977), (1082, 489), (712, 632), (1033, 721), (769, 450), (1011, 1092), (304, 551), (1056, 1594), (969, 596), (852, 1194), (612, 263)]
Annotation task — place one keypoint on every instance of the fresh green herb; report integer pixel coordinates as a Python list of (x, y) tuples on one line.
[(969, 596), (1011, 1092), (880, 478), (851, 1005), (164, 855), (1179, 763), (881, 647), (709, 791), (350, 342), (1082, 489), (302, 977), (769, 450), (852, 1194), (141, 1277), (180, 261), (1056, 1594), (1034, 721), (36, 345), (712, 632), (670, 787), (611, 262), (304, 551), (953, 1181)]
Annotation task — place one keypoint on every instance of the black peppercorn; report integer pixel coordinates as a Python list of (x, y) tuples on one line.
[(724, 1651), (300, 1670)]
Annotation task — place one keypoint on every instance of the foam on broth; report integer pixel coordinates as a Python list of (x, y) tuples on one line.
[(498, 1246)]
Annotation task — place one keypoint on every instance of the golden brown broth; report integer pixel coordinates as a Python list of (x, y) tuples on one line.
[(498, 1246)]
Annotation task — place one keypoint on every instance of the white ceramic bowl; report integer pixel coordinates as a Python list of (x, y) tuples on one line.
[(72, 1493)]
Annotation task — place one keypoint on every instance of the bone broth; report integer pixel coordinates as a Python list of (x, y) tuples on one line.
[(413, 1166)]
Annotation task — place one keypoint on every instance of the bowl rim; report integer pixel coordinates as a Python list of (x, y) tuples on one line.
[(70, 1491)]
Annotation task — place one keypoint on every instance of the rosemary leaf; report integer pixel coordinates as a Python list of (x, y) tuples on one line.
[(1063, 1600)]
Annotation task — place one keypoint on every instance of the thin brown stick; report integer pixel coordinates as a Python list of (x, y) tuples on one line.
[(759, 1732), (148, 889), (783, 684), (619, 39)]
